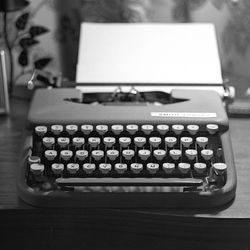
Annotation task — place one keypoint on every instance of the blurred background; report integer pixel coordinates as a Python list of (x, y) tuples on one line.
[(60, 20)]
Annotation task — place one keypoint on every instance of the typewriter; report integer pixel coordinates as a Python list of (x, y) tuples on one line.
[(127, 153), (133, 146)]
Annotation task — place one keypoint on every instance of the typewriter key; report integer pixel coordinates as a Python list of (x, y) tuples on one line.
[(162, 129), (155, 141), (184, 167), (124, 142), (63, 142), (136, 167), (105, 168), (121, 168), (152, 167), (72, 168), (207, 154), (212, 128), (170, 141), (117, 129), (56, 129), (202, 141), (101, 129), (191, 154), (177, 129), (175, 154), (88, 168), (48, 142), (97, 154), (144, 154), (112, 154), (132, 129), (78, 141), (57, 168), (71, 129), (66, 154), (192, 129), (147, 129), (159, 154), (128, 154), (139, 141), (168, 167), (50, 154), (200, 167), (86, 129), (82, 154), (109, 141), (40, 130), (37, 168)]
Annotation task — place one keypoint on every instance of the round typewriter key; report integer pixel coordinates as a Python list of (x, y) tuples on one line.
[(159, 154), (139, 141), (144, 154), (56, 129), (124, 142), (136, 167), (200, 167), (72, 168), (202, 141), (120, 168), (37, 168), (41, 130), (34, 159), (162, 129), (57, 168), (147, 129), (184, 167), (109, 141), (48, 142), (101, 129), (94, 141), (88, 168), (71, 129), (155, 141), (191, 154), (112, 154), (212, 128), (128, 154), (220, 168), (207, 154), (86, 129), (82, 154), (66, 154), (78, 141), (50, 154), (152, 167), (168, 167), (117, 129), (186, 141), (192, 129), (63, 142), (175, 154), (105, 168), (132, 129), (170, 141), (177, 129), (97, 154)]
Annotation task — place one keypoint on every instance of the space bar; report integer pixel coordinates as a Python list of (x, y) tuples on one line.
[(109, 181)]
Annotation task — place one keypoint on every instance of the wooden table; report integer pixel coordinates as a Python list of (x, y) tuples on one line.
[(33, 228)]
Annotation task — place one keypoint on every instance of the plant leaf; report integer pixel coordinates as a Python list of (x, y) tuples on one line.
[(42, 63), (37, 30), (23, 58), (22, 21), (27, 42)]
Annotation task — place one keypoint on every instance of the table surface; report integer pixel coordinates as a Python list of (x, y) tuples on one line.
[(208, 224)]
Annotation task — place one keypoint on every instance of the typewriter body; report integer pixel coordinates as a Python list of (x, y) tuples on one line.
[(109, 155)]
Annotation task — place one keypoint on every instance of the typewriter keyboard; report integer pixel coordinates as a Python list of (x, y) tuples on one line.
[(70, 156)]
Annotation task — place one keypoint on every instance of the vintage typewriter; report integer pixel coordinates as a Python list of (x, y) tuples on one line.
[(129, 153), (127, 148)]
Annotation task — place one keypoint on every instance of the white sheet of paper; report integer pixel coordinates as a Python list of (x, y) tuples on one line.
[(148, 53)]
